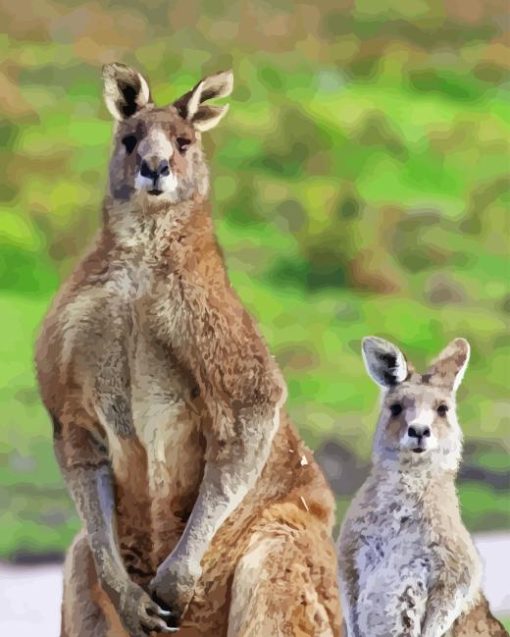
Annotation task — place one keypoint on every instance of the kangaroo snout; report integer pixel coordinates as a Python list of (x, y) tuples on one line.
[(417, 436), (418, 431), (154, 169), (155, 175)]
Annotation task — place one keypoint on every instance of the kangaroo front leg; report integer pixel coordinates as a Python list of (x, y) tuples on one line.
[(216, 339), (86, 468), (443, 608), (456, 588), (230, 472), (349, 584)]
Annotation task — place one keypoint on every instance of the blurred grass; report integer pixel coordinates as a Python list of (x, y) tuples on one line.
[(360, 185)]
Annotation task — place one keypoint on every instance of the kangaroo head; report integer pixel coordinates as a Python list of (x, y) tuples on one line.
[(418, 422), (157, 153)]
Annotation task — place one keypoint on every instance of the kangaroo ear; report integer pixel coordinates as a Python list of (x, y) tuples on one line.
[(190, 105), (125, 90), (384, 361), (448, 368)]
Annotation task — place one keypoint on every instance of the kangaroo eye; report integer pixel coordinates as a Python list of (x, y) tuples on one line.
[(396, 409), (129, 142), (442, 409), (183, 144)]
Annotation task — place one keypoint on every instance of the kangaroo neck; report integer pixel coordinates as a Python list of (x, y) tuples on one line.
[(413, 479), (158, 228)]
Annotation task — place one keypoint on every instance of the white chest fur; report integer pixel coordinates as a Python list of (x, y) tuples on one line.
[(164, 417), (391, 562), (392, 546)]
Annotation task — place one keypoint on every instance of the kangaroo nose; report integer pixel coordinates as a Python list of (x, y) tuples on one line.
[(415, 431), (162, 169)]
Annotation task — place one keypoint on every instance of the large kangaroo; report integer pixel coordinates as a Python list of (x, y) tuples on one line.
[(196, 494)]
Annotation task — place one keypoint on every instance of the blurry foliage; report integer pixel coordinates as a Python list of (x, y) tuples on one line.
[(360, 185)]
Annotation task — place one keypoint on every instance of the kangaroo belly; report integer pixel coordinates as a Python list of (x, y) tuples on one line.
[(393, 583), (167, 418), (393, 574), (152, 416)]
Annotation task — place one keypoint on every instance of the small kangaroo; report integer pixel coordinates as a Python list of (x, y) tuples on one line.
[(201, 506), (408, 566)]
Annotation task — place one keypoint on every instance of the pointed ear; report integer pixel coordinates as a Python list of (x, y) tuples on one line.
[(125, 90), (448, 368), (384, 361), (190, 105)]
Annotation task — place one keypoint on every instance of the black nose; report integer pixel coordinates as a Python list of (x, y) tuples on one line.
[(162, 170), (418, 432)]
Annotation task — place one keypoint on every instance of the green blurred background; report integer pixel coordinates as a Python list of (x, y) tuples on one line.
[(360, 186)]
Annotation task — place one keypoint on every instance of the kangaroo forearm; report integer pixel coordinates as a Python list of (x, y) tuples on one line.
[(442, 611), (350, 615), (349, 590), (214, 504), (216, 339), (91, 488), (451, 595), (224, 486), (351, 624)]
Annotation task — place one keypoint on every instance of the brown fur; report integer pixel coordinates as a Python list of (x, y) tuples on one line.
[(159, 383)]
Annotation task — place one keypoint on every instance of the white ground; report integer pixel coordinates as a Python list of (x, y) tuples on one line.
[(30, 596)]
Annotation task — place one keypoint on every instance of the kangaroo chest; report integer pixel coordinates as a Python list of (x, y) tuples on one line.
[(392, 542), (164, 404), (167, 413)]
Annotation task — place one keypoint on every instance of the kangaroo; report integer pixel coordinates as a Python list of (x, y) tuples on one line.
[(201, 506), (408, 567)]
